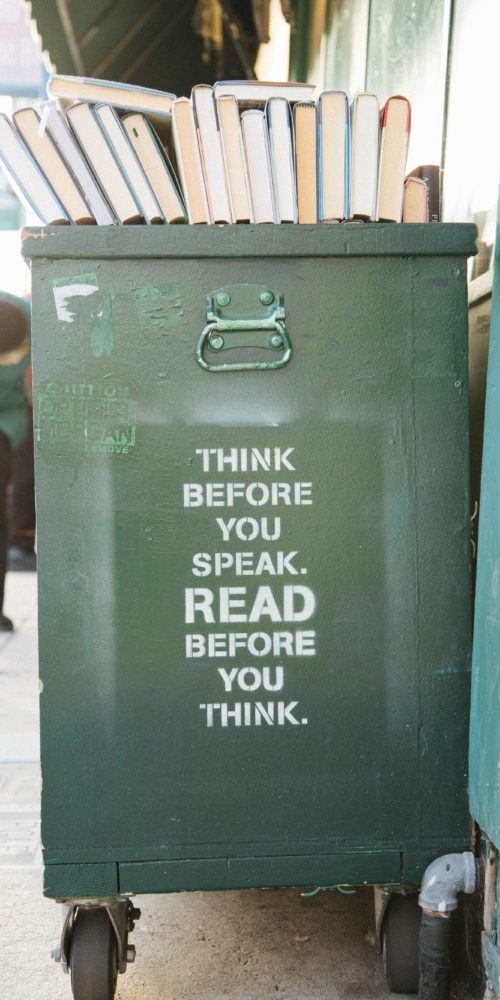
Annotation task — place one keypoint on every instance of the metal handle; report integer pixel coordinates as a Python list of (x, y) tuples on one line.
[(235, 315)]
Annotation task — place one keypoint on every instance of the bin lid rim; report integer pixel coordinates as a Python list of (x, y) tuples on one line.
[(337, 240)]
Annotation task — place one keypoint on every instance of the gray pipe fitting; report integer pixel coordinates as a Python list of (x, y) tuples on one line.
[(444, 879)]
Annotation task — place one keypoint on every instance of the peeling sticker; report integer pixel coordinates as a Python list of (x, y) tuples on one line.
[(159, 307), (93, 418), (79, 299), (66, 289)]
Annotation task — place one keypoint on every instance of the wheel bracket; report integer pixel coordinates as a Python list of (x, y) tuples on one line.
[(122, 916)]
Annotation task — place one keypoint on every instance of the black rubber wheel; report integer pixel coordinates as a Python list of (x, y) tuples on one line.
[(400, 931), (93, 956)]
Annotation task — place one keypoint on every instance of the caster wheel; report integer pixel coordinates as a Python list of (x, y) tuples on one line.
[(93, 956), (400, 931)]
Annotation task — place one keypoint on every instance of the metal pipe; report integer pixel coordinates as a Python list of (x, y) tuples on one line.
[(442, 881)]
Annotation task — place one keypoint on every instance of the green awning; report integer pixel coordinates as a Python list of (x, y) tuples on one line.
[(165, 44)]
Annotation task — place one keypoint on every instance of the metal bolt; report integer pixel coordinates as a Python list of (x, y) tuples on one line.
[(216, 343), (267, 298), (276, 341), (130, 953), (56, 954), (223, 298)]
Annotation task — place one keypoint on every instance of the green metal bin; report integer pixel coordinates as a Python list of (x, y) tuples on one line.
[(253, 537)]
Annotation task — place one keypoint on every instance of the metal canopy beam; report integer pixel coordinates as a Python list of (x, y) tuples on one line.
[(67, 24)]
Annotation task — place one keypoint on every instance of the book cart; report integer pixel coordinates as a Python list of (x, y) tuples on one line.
[(253, 537)]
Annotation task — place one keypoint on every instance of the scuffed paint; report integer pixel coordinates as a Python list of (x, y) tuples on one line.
[(101, 333), (159, 307)]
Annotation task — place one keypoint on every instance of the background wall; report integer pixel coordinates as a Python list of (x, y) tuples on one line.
[(439, 53)]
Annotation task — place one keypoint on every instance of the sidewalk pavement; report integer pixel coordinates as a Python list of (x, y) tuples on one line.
[(30, 924), (190, 946)]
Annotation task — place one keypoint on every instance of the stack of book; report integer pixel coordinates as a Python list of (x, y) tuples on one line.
[(237, 152)]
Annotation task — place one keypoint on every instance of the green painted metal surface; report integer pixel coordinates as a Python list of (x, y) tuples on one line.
[(254, 585), (484, 727), (484, 755)]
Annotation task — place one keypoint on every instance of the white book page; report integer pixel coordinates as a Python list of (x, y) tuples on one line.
[(364, 156), (255, 140), (280, 138)]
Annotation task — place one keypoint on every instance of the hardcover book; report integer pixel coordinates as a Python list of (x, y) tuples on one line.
[(94, 144), (256, 143), (395, 120), (257, 92), (212, 158), (156, 165), (430, 174), (306, 150), (188, 161), (120, 95), (333, 156), (56, 125), (281, 146), (234, 158), (365, 130), (26, 177), (44, 150), (415, 208), (131, 168)]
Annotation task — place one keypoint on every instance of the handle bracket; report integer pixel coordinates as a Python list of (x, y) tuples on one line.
[(245, 328)]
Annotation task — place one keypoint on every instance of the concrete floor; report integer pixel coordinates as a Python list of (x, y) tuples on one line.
[(191, 946)]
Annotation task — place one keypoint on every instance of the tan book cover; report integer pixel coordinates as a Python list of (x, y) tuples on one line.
[(234, 156), (306, 161), (415, 200), (333, 172), (431, 174), (395, 118)]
